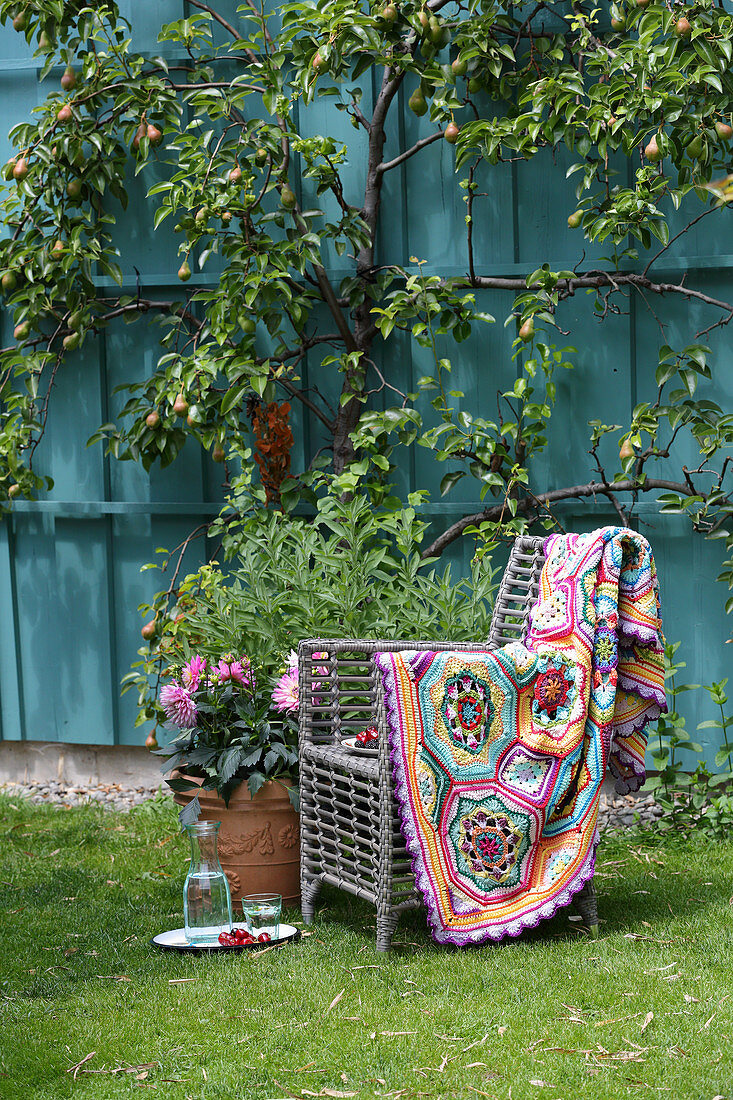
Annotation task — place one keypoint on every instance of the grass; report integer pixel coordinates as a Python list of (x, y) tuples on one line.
[(552, 1015)]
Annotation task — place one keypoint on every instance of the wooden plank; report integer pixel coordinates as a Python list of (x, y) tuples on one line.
[(11, 697)]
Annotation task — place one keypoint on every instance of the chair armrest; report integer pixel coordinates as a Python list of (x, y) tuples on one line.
[(338, 691)]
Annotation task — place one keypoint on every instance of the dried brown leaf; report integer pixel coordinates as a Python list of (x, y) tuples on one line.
[(477, 1043), (335, 1001), (617, 1020), (647, 1020)]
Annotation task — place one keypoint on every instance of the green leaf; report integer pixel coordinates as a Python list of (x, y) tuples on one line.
[(258, 382), (256, 782), (235, 394), (449, 480)]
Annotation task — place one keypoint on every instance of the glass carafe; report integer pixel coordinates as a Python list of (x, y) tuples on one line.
[(207, 903)]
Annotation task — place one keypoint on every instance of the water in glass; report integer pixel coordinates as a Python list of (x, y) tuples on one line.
[(262, 913)]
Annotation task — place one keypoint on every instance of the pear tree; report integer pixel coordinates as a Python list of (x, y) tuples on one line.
[(232, 111)]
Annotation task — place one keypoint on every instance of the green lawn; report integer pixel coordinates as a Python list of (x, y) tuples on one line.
[(554, 1015)]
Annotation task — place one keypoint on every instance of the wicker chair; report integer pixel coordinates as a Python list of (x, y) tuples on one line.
[(349, 820)]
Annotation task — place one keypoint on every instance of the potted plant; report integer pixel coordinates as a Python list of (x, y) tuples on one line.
[(237, 751)]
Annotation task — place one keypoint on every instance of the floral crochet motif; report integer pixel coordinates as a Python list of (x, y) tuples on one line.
[(552, 689), (467, 710), (528, 773), (489, 842), (605, 650)]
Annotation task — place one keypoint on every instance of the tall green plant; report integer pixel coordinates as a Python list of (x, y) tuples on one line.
[(724, 755), (348, 571), (693, 795), (670, 741)]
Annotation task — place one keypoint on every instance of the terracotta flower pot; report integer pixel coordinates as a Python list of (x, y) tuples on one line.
[(258, 841)]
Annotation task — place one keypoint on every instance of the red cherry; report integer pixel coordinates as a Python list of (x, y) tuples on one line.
[(226, 939), (367, 736), (264, 937), (240, 934)]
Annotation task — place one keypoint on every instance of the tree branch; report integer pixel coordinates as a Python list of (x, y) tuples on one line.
[(596, 280), (221, 20), (573, 492), (387, 165), (670, 242)]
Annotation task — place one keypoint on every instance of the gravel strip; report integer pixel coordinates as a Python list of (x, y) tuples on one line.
[(113, 796), (616, 812), (623, 810)]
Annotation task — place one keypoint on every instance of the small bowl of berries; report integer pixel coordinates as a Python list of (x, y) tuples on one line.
[(365, 743)]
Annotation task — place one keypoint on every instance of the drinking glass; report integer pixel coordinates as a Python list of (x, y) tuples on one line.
[(262, 914)]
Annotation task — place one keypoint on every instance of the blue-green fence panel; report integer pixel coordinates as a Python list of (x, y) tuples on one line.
[(70, 579)]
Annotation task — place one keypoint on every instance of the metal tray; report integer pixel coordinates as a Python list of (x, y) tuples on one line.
[(175, 940)]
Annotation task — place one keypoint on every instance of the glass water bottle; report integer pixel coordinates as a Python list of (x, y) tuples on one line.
[(207, 903)]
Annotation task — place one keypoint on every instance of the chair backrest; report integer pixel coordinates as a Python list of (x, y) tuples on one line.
[(517, 591), (339, 692)]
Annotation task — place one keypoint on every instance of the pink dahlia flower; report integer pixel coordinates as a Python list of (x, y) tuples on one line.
[(178, 705), (192, 672), (239, 672), (285, 695)]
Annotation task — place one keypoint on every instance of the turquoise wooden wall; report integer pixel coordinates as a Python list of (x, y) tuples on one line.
[(70, 578)]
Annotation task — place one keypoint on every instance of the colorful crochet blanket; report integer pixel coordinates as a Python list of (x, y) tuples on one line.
[(499, 756)]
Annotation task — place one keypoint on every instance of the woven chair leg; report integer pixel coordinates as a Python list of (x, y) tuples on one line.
[(585, 903), (386, 924), (310, 888)]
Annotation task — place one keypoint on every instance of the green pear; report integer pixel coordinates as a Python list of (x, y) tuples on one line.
[(526, 330), (695, 148), (287, 197), (417, 102), (652, 152)]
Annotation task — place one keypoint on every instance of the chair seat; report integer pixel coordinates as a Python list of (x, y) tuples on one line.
[(335, 757)]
